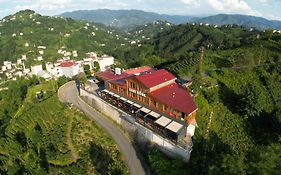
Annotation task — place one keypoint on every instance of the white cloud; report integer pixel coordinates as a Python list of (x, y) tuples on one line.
[(190, 2), (233, 6), (273, 17), (51, 7)]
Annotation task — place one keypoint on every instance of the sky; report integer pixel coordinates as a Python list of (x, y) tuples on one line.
[(270, 9)]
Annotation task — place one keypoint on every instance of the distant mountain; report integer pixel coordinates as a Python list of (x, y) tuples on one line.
[(242, 20), (124, 18)]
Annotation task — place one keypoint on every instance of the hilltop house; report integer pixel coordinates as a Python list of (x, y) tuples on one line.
[(8, 65), (69, 68), (63, 68)]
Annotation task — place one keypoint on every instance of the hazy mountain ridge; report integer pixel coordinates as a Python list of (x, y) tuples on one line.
[(133, 18), (242, 20), (124, 18)]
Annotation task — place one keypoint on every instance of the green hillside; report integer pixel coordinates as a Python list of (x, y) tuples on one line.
[(39, 135), (236, 86), (24, 31), (149, 31), (177, 48)]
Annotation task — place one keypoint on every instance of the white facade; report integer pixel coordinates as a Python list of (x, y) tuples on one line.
[(105, 61), (23, 57), (35, 69), (19, 73), (26, 71), (91, 55), (44, 74), (9, 66), (70, 71), (67, 68), (49, 67), (57, 72), (6, 63), (19, 61), (4, 68), (39, 58)]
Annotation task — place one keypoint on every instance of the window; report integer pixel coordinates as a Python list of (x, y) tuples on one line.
[(132, 85), (154, 103), (121, 90)]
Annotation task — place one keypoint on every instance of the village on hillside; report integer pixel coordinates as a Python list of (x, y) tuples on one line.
[(64, 66)]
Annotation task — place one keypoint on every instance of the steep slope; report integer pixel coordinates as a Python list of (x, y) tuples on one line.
[(242, 20), (178, 48), (189, 37), (40, 135), (148, 31), (124, 18), (23, 32)]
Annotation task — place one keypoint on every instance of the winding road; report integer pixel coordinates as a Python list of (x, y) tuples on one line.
[(68, 93)]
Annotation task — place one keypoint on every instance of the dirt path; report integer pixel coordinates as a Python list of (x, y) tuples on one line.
[(73, 153), (206, 137)]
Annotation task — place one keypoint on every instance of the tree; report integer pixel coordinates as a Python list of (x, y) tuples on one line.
[(96, 66), (265, 160), (87, 70), (21, 139), (255, 99), (62, 80)]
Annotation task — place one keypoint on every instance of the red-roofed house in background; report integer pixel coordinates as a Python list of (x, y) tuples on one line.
[(69, 68), (155, 89), (66, 68)]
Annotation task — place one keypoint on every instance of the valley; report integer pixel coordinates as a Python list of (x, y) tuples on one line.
[(232, 72)]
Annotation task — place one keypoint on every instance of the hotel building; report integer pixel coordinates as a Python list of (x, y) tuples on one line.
[(157, 101)]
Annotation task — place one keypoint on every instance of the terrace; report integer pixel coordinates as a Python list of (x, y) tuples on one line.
[(160, 124)]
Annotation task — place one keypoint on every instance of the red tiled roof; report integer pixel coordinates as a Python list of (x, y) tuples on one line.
[(176, 97), (67, 64), (138, 70), (155, 78), (110, 75)]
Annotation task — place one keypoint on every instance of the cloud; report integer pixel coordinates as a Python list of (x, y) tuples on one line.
[(233, 6), (190, 2), (51, 7)]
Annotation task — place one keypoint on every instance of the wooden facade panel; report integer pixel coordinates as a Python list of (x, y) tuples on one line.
[(135, 90)]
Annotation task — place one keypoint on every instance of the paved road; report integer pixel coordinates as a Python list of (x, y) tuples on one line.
[(68, 93)]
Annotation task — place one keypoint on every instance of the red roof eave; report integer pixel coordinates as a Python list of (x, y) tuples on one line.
[(176, 97)]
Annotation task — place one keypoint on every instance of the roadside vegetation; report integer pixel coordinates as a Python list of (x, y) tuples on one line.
[(40, 135)]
